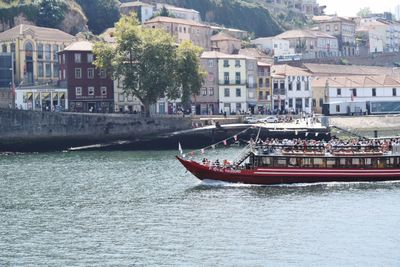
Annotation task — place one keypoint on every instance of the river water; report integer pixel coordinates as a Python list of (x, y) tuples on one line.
[(143, 209)]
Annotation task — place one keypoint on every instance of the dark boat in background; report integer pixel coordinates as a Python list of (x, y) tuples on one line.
[(287, 164)]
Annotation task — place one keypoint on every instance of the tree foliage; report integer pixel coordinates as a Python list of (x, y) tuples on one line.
[(51, 13), (149, 63), (101, 14), (190, 76), (364, 12)]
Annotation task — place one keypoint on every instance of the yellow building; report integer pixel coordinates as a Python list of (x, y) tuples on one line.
[(35, 52), (264, 99)]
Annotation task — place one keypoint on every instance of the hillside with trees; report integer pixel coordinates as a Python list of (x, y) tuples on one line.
[(99, 15)]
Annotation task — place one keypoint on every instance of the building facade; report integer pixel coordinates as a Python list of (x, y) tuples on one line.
[(89, 89), (343, 29), (207, 102), (292, 89), (183, 30), (123, 101), (225, 43), (264, 93), (143, 11), (179, 12), (274, 46), (35, 52), (354, 95), (311, 44)]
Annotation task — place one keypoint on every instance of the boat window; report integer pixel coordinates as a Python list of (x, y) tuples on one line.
[(342, 162), (266, 161), (368, 162), (282, 162), (307, 162), (356, 161), (330, 162), (318, 162), (390, 162)]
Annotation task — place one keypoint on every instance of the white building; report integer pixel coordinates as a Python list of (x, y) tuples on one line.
[(291, 89), (41, 98), (179, 12), (123, 102), (350, 95), (143, 11), (383, 35), (273, 46)]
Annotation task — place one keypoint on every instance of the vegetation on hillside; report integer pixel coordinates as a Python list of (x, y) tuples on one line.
[(247, 15), (101, 14)]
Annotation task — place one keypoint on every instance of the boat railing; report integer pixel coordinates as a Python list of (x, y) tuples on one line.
[(245, 153), (321, 149)]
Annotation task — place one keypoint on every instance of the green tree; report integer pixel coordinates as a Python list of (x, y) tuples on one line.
[(101, 14), (51, 13), (364, 12), (149, 63), (145, 59), (190, 75)]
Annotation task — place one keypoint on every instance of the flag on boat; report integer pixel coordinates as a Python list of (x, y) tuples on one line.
[(225, 143), (235, 137), (180, 148), (202, 151)]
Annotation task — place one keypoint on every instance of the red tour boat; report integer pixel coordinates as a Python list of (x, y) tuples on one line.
[(288, 164)]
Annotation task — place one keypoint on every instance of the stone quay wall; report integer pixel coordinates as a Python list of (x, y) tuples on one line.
[(45, 131)]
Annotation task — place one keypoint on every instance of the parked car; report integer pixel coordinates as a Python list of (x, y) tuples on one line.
[(270, 119), (250, 120)]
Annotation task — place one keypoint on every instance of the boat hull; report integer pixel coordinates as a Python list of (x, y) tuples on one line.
[(271, 176)]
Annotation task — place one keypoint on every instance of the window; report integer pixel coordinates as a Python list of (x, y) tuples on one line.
[(339, 91), (102, 73), (226, 63), (394, 92), (226, 77), (354, 92), (48, 70), (40, 69), (328, 28), (260, 95), (121, 97), (78, 73), (4, 48), (204, 91), (260, 82), (78, 58), (314, 102), (12, 47), (321, 102), (90, 90), (237, 76), (298, 86), (56, 68), (55, 52), (40, 51), (238, 107), (290, 102), (267, 83), (373, 91), (210, 63), (238, 92), (307, 103), (337, 108), (336, 27), (47, 49), (211, 91), (90, 73), (290, 86), (90, 58), (226, 92), (237, 63), (103, 90), (78, 91)]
